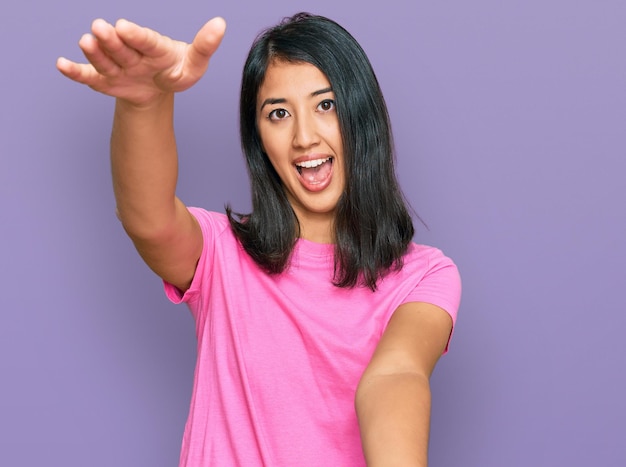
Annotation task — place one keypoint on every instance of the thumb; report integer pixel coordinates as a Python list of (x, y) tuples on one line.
[(206, 42)]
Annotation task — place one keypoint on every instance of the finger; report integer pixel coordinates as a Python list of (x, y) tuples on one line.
[(79, 72), (67, 67), (111, 43), (144, 40), (206, 43), (97, 57)]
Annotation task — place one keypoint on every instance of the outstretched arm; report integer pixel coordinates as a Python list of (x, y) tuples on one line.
[(143, 69), (393, 397)]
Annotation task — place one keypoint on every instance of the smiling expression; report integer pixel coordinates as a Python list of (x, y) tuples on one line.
[(300, 133)]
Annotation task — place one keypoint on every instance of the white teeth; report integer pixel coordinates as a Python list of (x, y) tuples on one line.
[(313, 163)]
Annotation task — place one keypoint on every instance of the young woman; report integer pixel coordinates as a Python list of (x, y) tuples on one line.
[(319, 322)]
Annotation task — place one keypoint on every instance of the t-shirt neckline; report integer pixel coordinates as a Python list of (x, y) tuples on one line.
[(310, 248)]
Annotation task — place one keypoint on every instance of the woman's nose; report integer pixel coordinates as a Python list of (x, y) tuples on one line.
[(305, 132)]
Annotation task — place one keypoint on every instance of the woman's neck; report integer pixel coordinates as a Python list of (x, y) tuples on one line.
[(317, 228)]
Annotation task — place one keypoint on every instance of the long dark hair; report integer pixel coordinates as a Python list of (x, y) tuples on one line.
[(372, 227)]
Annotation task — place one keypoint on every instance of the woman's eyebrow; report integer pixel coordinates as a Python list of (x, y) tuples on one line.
[(321, 91), (273, 100), (282, 100)]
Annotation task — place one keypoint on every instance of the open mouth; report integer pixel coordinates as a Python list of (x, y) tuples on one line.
[(315, 174), (315, 169)]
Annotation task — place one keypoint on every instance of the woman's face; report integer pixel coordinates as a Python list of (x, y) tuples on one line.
[(299, 130)]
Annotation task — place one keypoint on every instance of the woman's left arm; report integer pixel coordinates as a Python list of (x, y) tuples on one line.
[(393, 397)]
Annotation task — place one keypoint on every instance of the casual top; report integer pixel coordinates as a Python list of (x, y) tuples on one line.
[(280, 356)]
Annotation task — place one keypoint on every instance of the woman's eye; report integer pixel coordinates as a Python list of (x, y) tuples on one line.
[(327, 105), (278, 114)]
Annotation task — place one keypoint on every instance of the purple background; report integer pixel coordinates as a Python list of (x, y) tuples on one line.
[(509, 119)]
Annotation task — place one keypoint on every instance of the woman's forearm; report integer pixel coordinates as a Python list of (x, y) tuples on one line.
[(144, 165), (394, 419)]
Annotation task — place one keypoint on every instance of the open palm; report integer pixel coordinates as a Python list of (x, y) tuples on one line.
[(138, 64)]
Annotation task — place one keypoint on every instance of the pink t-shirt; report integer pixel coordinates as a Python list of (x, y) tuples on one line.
[(280, 357)]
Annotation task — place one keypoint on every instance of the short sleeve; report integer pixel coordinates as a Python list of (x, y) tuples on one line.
[(440, 286), (211, 225)]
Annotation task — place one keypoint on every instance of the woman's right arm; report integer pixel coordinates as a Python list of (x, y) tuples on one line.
[(142, 70)]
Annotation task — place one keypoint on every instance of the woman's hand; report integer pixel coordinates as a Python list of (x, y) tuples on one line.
[(139, 65)]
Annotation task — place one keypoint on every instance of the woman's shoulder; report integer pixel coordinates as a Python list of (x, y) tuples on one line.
[(438, 278), (215, 227), (429, 261), (217, 221), (426, 253)]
